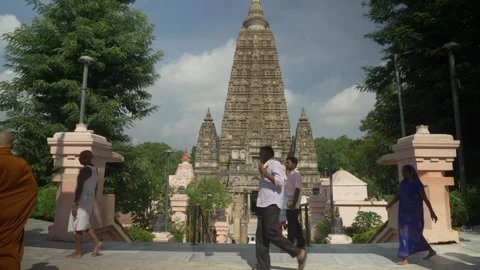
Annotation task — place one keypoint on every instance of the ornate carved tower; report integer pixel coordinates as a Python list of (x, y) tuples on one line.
[(206, 157), (306, 153), (255, 114), (255, 109)]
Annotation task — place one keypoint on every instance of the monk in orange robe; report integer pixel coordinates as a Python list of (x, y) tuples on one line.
[(18, 190)]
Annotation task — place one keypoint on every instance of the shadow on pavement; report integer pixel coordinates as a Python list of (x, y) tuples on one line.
[(384, 254), (43, 266)]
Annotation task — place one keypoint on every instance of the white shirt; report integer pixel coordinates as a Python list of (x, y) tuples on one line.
[(269, 193), (294, 181)]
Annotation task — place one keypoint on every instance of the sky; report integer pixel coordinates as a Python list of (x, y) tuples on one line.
[(321, 48)]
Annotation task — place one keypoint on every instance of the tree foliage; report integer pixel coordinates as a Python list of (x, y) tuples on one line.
[(342, 150), (211, 194), (139, 182), (44, 96), (421, 28), (359, 157)]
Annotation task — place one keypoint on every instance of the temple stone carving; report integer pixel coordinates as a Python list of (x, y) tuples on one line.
[(206, 156), (304, 149), (255, 114)]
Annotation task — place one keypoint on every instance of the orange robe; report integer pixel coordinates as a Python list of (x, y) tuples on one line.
[(18, 190)]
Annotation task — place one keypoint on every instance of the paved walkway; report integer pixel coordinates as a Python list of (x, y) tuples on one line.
[(43, 255)]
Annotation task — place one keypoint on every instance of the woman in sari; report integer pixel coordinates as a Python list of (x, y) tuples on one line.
[(411, 195)]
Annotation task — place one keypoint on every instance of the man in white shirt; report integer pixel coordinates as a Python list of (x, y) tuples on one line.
[(269, 201), (292, 196)]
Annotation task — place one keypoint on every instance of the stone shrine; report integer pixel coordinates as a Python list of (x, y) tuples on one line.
[(184, 173), (255, 115)]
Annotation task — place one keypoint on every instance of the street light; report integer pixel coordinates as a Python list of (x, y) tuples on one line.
[(330, 168), (456, 111), (399, 90), (167, 187), (87, 61)]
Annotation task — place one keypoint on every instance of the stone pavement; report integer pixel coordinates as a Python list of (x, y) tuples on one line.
[(43, 255)]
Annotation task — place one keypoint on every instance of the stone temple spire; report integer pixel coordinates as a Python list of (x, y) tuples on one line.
[(255, 19), (208, 117), (303, 116), (306, 152), (186, 157)]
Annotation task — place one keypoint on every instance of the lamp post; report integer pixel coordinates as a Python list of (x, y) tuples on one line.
[(399, 90), (330, 169), (456, 111), (87, 61), (167, 187), (399, 93)]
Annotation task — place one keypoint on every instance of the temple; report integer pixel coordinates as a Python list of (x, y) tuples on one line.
[(255, 114)]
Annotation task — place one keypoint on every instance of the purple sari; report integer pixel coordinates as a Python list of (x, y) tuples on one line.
[(410, 218)]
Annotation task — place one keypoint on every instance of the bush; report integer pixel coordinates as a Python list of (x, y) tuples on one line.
[(178, 232), (458, 209), (362, 238), (324, 229), (366, 221), (44, 208), (472, 202), (140, 235)]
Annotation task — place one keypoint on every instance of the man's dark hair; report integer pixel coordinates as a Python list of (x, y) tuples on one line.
[(294, 160), (268, 149)]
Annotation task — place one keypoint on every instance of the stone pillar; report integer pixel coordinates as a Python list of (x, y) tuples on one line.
[(249, 205), (318, 206), (222, 231), (237, 215), (65, 148), (243, 231), (179, 204), (432, 155)]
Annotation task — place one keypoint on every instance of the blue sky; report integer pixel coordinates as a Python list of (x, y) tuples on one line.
[(320, 44)]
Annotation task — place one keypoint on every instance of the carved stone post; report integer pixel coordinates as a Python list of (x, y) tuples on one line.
[(65, 148), (179, 203), (237, 215), (432, 155)]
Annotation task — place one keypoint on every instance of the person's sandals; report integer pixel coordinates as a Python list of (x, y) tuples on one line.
[(302, 262)]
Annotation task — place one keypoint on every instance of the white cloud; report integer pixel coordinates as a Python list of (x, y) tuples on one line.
[(7, 75), (8, 23), (194, 82), (336, 116), (188, 86)]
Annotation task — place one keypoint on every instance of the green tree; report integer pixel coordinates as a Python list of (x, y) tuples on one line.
[(44, 97), (421, 28), (139, 186), (139, 182), (211, 194), (342, 149)]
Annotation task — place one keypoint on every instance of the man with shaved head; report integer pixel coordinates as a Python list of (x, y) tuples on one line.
[(82, 206), (18, 190)]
